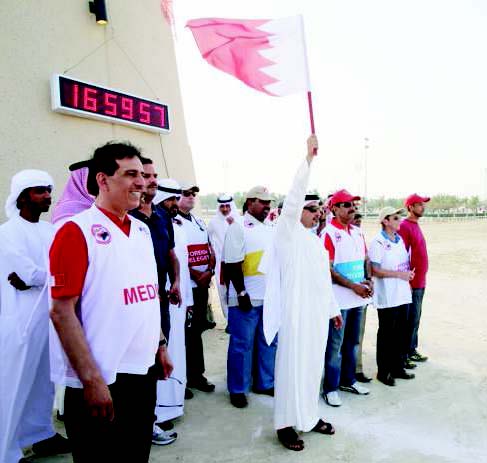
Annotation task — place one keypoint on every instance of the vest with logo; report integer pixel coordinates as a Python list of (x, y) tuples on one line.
[(257, 237), (349, 261), (119, 305), (198, 248)]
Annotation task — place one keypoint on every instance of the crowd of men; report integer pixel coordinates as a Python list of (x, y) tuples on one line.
[(109, 303)]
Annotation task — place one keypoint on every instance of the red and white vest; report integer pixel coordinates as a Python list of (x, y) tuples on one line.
[(349, 261), (119, 305), (198, 248)]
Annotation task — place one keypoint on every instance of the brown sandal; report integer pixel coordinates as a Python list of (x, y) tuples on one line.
[(290, 439), (324, 428)]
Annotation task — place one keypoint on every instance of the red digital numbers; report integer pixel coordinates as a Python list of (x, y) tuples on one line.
[(85, 97)]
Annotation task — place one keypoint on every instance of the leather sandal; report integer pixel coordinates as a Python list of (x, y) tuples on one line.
[(324, 428), (290, 439)]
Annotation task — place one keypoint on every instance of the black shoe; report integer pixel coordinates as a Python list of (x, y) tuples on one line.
[(269, 392), (238, 400), (59, 417), (201, 384), (188, 394), (388, 380), (361, 378), (417, 357), (55, 445), (208, 326), (409, 365), (402, 374), (166, 425)]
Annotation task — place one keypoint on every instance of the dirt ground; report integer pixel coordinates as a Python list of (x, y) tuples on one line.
[(439, 417)]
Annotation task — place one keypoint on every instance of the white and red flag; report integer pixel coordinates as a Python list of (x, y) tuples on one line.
[(268, 55)]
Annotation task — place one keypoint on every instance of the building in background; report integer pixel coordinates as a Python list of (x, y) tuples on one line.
[(133, 53)]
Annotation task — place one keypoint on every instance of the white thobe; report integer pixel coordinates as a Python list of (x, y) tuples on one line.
[(301, 275), (170, 392), (217, 229), (26, 392)]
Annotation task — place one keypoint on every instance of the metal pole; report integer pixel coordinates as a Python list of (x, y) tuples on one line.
[(365, 199)]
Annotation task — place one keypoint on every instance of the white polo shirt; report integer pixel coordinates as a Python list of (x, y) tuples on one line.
[(390, 255)]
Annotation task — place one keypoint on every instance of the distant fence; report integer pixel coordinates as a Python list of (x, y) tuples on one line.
[(446, 216)]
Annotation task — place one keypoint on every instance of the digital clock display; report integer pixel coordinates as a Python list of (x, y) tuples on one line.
[(92, 101)]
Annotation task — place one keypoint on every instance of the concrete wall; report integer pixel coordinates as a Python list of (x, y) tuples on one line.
[(133, 53)]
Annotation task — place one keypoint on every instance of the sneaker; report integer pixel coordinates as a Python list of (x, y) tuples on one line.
[(238, 400), (409, 365), (355, 388), (160, 437), (417, 357), (332, 398), (55, 445)]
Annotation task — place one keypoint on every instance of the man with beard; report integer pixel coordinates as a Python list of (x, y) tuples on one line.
[(352, 288), (160, 225), (27, 393), (413, 238), (250, 360)]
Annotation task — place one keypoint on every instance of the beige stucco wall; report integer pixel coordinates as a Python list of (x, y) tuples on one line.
[(133, 53)]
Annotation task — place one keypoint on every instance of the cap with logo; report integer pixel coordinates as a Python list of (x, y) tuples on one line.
[(342, 196), (259, 192), (388, 211), (415, 198)]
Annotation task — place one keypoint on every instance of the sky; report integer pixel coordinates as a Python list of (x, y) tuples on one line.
[(410, 76)]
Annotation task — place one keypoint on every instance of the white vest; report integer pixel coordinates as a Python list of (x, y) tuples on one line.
[(198, 249), (257, 237), (390, 292), (119, 305), (349, 262)]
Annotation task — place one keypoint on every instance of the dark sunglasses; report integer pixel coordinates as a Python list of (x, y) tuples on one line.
[(42, 189), (396, 217), (187, 194), (346, 204), (312, 209)]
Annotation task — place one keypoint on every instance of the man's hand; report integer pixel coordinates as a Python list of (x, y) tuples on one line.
[(202, 279), (370, 285), (174, 294), (244, 303), (337, 322), (99, 400), (164, 363), (362, 290), (312, 148), (17, 282)]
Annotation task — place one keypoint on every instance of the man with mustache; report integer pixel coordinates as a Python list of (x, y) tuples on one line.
[(27, 393), (160, 225), (243, 249), (352, 288), (108, 348)]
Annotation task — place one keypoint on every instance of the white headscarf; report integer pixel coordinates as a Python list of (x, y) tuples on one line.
[(167, 188), (22, 180)]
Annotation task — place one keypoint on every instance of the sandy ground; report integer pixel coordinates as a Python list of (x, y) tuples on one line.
[(441, 416)]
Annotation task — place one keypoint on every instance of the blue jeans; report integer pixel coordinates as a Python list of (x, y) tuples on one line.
[(341, 350), (414, 317), (249, 356)]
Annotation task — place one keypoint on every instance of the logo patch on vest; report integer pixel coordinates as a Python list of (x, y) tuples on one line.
[(338, 237), (101, 234)]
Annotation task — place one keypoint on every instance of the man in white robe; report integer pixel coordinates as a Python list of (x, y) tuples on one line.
[(26, 391), (299, 302), (226, 214)]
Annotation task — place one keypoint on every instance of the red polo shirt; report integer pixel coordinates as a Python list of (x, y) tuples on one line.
[(68, 257)]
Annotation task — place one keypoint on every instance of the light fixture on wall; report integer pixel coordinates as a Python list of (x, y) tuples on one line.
[(99, 9)]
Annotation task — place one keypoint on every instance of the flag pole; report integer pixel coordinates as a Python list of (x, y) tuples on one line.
[(311, 116)]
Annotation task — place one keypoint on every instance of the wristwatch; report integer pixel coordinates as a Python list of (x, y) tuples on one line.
[(242, 293)]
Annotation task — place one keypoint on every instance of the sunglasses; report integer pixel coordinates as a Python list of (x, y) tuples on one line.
[(346, 204), (312, 209), (42, 189), (396, 217), (187, 194)]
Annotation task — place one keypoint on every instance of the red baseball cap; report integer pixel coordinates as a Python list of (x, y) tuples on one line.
[(342, 196), (415, 198)]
